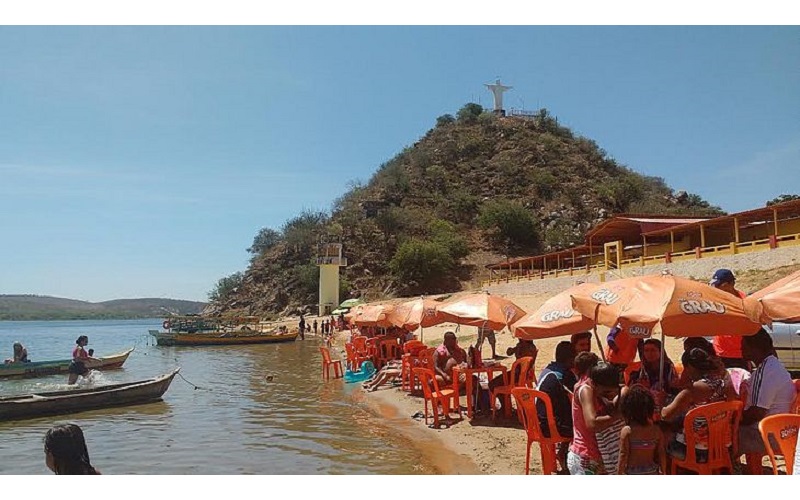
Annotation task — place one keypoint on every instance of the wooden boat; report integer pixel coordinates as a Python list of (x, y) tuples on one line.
[(43, 368), (220, 338), (77, 400), (200, 331)]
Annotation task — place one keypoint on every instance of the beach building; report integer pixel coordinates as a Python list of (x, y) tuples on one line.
[(635, 241)]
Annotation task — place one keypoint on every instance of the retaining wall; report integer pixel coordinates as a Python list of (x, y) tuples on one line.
[(697, 269)]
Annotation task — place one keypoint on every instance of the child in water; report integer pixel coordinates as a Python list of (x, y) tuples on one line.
[(65, 451), (641, 443)]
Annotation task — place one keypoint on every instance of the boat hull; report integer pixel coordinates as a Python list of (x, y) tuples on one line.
[(203, 339), (44, 368), (78, 400)]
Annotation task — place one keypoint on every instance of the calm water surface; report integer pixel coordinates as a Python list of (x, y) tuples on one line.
[(234, 423)]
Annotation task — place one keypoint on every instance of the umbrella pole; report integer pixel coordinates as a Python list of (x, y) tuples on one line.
[(661, 368), (596, 336)]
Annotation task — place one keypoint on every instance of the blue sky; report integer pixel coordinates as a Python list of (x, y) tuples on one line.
[(141, 161)]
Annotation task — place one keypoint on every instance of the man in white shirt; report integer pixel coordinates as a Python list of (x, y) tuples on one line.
[(771, 390)]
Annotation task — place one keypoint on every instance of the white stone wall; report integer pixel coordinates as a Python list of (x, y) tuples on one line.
[(696, 268)]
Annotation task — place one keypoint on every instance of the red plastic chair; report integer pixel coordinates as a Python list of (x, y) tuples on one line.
[(437, 397), (388, 350), (424, 359), (327, 363), (722, 432), (360, 345), (354, 359), (783, 429), (410, 360), (526, 378), (526, 403)]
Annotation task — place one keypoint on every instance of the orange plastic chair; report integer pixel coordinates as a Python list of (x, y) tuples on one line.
[(409, 360), (360, 345), (525, 379), (388, 350), (632, 367), (783, 429), (412, 345), (354, 359), (424, 359), (327, 363), (723, 432), (526, 402), (437, 397)]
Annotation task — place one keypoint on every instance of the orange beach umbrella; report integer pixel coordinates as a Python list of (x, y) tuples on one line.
[(374, 315), (416, 313), (555, 317), (481, 309), (779, 301), (680, 306)]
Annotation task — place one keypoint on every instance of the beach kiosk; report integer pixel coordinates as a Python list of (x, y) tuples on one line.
[(329, 260)]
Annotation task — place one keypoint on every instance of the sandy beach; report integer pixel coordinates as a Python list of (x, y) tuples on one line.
[(477, 445)]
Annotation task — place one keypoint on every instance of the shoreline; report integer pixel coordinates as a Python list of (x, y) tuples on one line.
[(477, 446), (435, 451)]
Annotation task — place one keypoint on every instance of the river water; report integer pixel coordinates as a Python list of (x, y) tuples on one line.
[(235, 422)]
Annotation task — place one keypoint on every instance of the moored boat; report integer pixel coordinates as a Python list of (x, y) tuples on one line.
[(44, 368), (77, 400), (201, 331)]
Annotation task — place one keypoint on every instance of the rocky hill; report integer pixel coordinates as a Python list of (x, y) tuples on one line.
[(37, 307), (475, 188)]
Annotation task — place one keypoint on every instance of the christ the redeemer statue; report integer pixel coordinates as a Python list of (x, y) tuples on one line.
[(497, 89)]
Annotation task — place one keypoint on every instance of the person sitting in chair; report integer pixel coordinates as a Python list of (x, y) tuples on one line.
[(523, 349), (771, 391), (447, 356)]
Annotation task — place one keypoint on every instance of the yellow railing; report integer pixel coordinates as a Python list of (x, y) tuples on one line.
[(715, 251)]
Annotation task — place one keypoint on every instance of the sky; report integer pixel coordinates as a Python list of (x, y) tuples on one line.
[(140, 161)]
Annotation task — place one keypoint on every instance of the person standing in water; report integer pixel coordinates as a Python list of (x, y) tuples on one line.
[(79, 358)]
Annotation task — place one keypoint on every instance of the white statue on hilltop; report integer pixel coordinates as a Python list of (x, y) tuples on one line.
[(497, 89)]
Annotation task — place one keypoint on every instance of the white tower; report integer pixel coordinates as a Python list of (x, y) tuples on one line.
[(497, 90), (329, 260)]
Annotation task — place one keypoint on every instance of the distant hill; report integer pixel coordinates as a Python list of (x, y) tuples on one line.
[(37, 307), (475, 189)]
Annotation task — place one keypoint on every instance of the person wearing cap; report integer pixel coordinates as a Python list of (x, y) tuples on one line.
[(728, 347)]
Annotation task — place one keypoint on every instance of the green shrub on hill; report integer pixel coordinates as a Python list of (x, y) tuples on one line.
[(419, 266), (225, 287), (509, 226)]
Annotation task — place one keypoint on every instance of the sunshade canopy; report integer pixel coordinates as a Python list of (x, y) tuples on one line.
[(374, 315), (416, 313), (555, 317), (482, 309), (680, 307), (779, 301), (351, 303)]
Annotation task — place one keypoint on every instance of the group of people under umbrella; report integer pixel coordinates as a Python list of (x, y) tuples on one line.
[(635, 309)]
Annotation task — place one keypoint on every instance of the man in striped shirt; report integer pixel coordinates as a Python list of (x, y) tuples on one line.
[(771, 390)]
